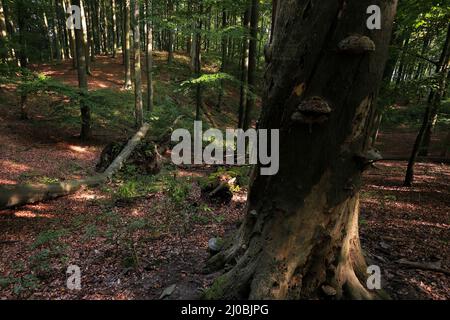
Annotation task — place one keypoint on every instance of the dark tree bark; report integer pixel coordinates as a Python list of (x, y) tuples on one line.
[(300, 238), (82, 81), (22, 25)]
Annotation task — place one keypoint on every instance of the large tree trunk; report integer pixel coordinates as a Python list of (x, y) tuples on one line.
[(82, 81), (138, 110), (300, 236)]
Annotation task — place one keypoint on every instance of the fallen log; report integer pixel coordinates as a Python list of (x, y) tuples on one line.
[(19, 195)]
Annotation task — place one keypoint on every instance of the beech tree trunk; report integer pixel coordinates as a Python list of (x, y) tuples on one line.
[(244, 70), (170, 34), (114, 28), (224, 58), (139, 109), (198, 64), (252, 63), (3, 31), (82, 81), (86, 42), (299, 239), (126, 45), (149, 57)]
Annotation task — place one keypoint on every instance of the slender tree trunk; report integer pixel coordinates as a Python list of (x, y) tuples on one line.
[(170, 34), (401, 67), (198, 65), (244, 70), (92, 30), (224, 57), (149, 56), (3, 34), (139, 110), (21, 22), (50, 39), (82, 80), (127, 41), (433, 105), (86, 41), (252, 56), (3, 31), (446, 149), (114, 28), (105, 27), (71, 32), (299, 239)]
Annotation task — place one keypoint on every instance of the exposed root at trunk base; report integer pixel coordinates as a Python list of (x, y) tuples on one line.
[(323, 261)]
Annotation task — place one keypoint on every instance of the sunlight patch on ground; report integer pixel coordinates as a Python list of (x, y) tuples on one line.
[(8, 182), (13, 167), (30, 214), (88, 195), (240, 198), (78, 149)]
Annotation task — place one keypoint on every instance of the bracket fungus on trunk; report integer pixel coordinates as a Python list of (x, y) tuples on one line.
[(314, 110), (356, 44), (368, 158)]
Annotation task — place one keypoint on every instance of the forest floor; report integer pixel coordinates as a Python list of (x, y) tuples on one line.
[(134, 245)]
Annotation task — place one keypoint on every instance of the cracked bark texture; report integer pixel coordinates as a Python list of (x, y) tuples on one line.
[(300, 234)]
